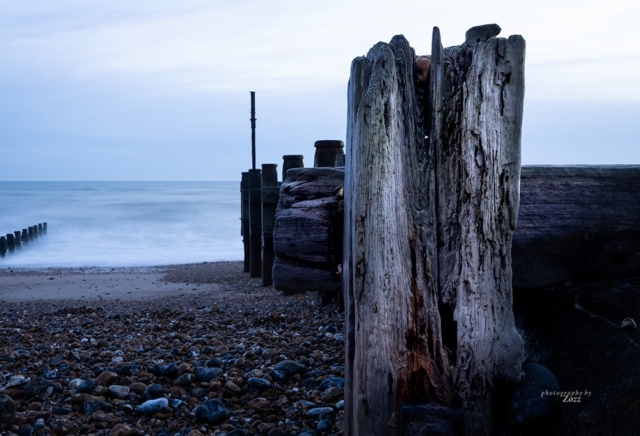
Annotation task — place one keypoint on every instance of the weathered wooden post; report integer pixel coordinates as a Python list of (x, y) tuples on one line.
[(35, 231), (11, 242), (25, 236), (31, 236), (3, 245), (17, 238), (326, 152), (431, 201), (39, 229), (307, 234), (255, 222), (44, 228), (291, 161), (270, 195), (244, 220)]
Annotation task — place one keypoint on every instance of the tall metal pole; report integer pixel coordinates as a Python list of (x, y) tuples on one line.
[(253, 129)]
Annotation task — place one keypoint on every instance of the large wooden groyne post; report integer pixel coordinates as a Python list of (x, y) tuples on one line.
[(431, 201)]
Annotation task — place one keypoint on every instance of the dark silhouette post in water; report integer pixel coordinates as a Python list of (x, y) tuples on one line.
[(270, 195), (11, 242), (255, 219), (25, 236), (3, 245), (253, 130), (244, 217)]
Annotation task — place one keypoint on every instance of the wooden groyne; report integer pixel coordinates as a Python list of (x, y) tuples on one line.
[(260, 202), (308, 232), (16, 240)]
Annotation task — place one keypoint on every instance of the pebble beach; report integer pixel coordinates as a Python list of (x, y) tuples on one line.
[(198, 349)]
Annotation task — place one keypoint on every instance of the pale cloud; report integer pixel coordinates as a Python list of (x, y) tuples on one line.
[(294, 46)]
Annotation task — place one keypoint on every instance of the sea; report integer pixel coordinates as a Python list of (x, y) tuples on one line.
[(122, 224)]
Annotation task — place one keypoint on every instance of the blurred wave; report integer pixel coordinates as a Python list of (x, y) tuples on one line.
[(123, 223)]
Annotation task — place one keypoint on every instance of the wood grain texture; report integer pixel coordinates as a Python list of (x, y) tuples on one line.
[(428, 229), (576, 222), (308, 231), (478, 95), (394, 351)]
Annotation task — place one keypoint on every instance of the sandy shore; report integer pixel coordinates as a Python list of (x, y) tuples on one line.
[(17, 284), (173, 350)]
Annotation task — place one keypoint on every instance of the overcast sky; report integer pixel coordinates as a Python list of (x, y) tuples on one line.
[(159, 90)]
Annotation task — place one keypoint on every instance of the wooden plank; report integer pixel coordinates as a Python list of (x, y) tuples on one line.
[(576, 222)]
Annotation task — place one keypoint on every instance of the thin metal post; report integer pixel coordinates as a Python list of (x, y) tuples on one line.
[(253, 129)]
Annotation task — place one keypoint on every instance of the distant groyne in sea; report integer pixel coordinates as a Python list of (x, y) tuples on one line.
[(18, 239)]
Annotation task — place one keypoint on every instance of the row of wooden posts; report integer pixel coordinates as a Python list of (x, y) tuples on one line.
[(17, 239), (260, 191)]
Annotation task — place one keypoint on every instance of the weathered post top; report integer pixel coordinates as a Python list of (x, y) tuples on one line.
[(291, 161), (326, 152)]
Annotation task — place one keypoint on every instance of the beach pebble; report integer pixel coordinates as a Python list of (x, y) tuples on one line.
[(268, 353), (154, 391), (331, 381), (259, 383), (38, 386), (7, 412), (150, 407), (107, 378), (85, 387), (93, 405), (75, 383), (258, 403), (119, 392), (138, 388), (170, 370), (324, 426), (317, 411), (231, 386), (278, 375), (213, 363), (212, 412), (61, 426), (185, 379), (207, 374), (121, 430), (17, 381), (50, 375), (289, 367)]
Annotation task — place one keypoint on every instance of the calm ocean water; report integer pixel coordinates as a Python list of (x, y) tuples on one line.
[(123, 223)]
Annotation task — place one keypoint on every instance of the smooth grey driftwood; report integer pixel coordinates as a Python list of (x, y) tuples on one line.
[(576, 222), (428, 228), (308, 231)]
